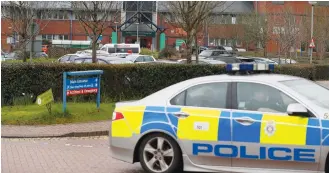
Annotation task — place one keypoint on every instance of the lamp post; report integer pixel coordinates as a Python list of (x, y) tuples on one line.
[(312, 15), (137, 38)]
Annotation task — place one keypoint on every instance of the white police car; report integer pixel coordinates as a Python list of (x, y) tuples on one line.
[(230, 123)]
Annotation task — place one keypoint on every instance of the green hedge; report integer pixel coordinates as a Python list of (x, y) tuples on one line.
[(144, 79)]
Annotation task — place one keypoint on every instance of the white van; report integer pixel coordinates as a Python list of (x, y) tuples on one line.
[(121, 48)]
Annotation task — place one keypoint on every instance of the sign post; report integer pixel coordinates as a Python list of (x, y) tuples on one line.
[(74, 84), (46, 98)]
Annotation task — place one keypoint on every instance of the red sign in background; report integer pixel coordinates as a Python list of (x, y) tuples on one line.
[(82, 91)]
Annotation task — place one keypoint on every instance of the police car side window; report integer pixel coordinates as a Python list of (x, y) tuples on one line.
[(211, 95), (263, 98)]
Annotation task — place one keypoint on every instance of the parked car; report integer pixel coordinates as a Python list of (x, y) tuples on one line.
[(226, 59), (246, 59), (284, 61), (202, 61), (135, 58), (213, 52), (68, 58), (89, 51), (225, 48), (120, 55), (263, 60), (101, 60)]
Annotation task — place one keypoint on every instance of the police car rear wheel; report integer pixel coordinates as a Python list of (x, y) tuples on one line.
[(160, 154)]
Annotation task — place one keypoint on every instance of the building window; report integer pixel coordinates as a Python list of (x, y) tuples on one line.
[(54, 37), (233, 20)]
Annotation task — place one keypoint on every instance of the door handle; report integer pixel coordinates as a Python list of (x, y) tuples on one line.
[(181, 114), (246, 121)]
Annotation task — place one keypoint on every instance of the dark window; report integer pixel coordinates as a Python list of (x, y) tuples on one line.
[(66, 37), (217, 53), (211, 95), (263, 98), (139, 59), (146, 17), (130, 5), (205, 53), (148, 59), (64, 58), (140, 6), (72, 57)]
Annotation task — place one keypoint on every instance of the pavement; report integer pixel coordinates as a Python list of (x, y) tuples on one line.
[(61, 155), (66, 130), (58, 130)]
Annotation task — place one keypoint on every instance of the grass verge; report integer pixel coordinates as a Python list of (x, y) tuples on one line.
[(38, 115)]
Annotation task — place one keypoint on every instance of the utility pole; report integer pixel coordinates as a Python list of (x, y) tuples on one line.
[(312, 16)]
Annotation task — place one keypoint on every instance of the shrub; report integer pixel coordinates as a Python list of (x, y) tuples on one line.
[(145, 51), (120, 82), (168, 52)]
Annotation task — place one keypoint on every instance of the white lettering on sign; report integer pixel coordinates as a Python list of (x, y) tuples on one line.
[(204, 126)]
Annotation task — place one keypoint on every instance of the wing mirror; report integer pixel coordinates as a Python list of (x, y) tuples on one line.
[(297, 110)]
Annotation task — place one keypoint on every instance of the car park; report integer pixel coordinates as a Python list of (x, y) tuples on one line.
[(236, 122)]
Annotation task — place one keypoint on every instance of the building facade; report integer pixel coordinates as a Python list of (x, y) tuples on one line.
[(144, 21)]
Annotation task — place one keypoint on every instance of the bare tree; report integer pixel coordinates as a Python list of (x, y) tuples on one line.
[(321, 30), (257, 29), (22, 17), (94, 18), (190, 15), (286, 31)]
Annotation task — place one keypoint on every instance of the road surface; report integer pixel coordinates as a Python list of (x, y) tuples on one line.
[(61, 155)]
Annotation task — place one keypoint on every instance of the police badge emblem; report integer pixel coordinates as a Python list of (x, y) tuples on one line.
[(270, 128)]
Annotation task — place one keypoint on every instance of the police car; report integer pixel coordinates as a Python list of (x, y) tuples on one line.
[(227, 123)]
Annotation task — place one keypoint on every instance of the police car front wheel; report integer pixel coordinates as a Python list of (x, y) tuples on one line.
[(159, 153)]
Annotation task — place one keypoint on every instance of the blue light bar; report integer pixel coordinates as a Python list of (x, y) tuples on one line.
[(250, 67)]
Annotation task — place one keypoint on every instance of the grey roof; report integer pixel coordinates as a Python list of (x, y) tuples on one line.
[(228, 7)]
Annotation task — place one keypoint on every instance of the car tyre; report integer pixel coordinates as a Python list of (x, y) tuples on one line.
[(159, 153)]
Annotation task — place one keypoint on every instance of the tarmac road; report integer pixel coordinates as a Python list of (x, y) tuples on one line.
[(61, 155)]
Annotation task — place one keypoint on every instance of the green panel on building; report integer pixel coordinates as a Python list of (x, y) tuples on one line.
[(114, 37), (162, 41)]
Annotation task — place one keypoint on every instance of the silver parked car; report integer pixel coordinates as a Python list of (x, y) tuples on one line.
[(231, 123)]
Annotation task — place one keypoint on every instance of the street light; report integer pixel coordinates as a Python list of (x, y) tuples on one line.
[(312, 3), (137, 23)]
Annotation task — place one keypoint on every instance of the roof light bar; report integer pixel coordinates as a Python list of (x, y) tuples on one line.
[(249, 67)]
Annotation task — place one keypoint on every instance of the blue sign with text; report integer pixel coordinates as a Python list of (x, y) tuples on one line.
[(74, 84), (81, 83)]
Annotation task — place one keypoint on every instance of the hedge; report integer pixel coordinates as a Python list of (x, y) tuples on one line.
[(121, 82)]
